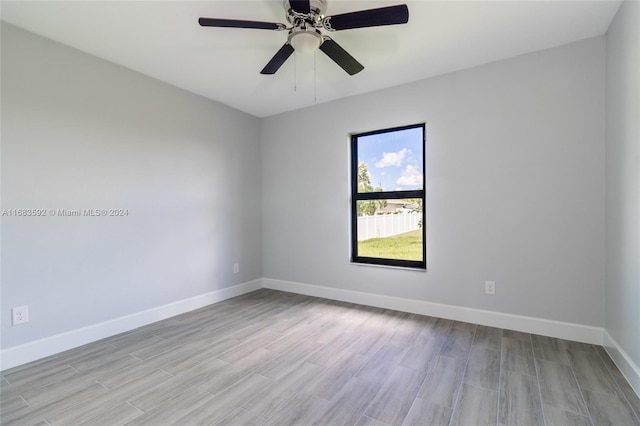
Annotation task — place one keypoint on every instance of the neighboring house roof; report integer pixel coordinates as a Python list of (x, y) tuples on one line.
[(395, 205)]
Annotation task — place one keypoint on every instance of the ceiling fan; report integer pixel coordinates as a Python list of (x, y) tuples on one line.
[(307, 18)]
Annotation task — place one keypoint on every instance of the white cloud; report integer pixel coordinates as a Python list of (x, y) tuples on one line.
[(392, 158), (411, 177)]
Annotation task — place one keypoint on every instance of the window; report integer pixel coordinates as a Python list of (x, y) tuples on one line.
[(387, 197)]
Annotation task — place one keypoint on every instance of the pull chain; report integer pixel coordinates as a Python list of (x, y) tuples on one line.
[(315, 86), (295, 71)]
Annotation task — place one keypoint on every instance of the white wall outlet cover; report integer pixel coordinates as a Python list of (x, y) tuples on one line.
[(490, 287), (19, 315)]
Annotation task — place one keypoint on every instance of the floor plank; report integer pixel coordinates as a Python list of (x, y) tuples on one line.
[(559, 388), (457, 343), (556, 417), (302, 409), (274, 397), (517, 355), (609, 410), (336, 375), (476, 406), (394, 400), (550, 348), (591, 373), (443, 382), (519, 400), (349, 404), (424, 413), (488, 337), (483, 368)]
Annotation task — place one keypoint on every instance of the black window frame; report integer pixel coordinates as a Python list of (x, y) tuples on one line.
[(362, 196)]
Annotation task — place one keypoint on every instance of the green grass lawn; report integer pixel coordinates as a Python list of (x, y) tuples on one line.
[(407, 246)]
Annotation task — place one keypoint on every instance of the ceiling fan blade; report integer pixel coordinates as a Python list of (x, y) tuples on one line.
[(391, 15), (300, 6), (340, 56), (234, 23), (278, 59)]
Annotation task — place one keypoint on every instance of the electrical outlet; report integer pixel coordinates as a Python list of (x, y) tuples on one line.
[(236, 268), (19, 315), (490, 287)]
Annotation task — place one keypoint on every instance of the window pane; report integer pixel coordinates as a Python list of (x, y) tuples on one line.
[(387, 184), (391, 161), (390, 229)]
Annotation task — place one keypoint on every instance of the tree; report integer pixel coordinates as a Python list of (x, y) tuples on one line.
[(364, 178), (367, 208)]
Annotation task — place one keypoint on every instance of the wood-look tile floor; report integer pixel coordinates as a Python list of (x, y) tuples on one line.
[(275, 358)]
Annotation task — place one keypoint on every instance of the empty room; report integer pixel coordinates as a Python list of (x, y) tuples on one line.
[(320, 212)]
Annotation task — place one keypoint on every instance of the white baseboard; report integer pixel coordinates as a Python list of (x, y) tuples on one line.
[(22, 354), (625, 364), (545, 327), (32, 351)]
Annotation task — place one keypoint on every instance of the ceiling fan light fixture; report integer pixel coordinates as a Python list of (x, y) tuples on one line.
[(305, 41), (307, 18)]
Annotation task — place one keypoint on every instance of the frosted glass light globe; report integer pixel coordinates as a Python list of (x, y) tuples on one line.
[(305, 42)]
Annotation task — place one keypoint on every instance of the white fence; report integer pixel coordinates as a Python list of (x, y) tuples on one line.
[(386, 225)]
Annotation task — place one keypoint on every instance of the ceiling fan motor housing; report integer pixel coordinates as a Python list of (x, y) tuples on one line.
[(304, 36), (317, 10)]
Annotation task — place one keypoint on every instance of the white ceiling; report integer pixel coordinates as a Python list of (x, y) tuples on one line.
[(163, 39)]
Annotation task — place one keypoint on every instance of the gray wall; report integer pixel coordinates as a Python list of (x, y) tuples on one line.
[(515, 190), (623, 180), (515, 187), (79, 132)]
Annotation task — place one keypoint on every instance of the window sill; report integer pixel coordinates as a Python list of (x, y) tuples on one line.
[(405, 268)]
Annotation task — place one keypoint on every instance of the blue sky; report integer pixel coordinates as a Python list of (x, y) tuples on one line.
[(394, 159)]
